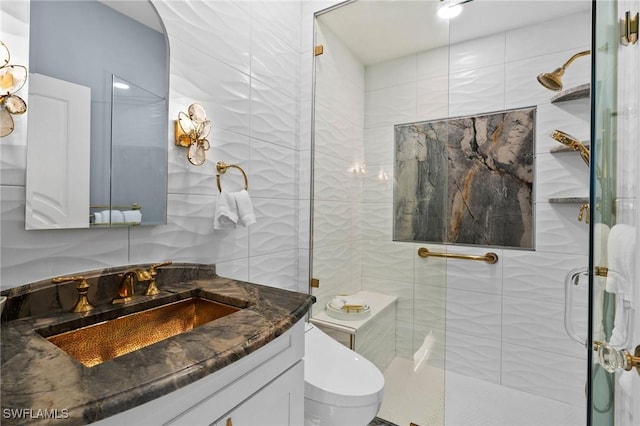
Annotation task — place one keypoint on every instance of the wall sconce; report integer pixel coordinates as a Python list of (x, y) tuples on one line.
[(192, 130), (553, 80), (12, 78)]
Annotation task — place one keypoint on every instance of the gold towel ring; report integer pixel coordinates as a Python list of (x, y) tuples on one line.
[(222, 167)]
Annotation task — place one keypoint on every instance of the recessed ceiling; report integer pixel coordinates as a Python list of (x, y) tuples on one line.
[(376, 31)]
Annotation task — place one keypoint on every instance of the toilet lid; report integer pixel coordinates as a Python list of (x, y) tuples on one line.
[(336, 375)]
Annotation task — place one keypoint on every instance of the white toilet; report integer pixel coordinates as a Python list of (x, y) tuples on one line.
[(341, 388)]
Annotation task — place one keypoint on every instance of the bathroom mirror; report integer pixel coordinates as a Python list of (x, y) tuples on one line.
[(118, 52)]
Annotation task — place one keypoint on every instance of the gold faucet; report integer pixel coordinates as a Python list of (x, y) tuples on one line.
[(152, 289), (126, 289)]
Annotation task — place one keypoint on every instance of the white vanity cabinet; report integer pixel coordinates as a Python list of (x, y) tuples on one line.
[(263, 388)]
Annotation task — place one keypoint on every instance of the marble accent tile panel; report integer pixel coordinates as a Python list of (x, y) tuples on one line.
[(482, 362), (335, 133), (390, 106), (376, 223), (433, 98), (554, 376), (477, 53), (220, 29), (273, 116), (282, 17), (391, 73), (274, 61), (188, 235), (332, 179), (401, 289), (185, 178), (378, 143), (562, 174), (474, 314), (540, 325), (558, 230), (223, 91), (274, 171), (433, 63), (378, 185), (35, 255), (430, 306), (570, 117), (474, 276), (276, 227), (540, 276), (477, 91), (387, 260), (565, 33), (522, 88), (332, 221), (279, 269)]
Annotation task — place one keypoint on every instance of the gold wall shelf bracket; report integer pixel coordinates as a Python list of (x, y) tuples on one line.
[(222, 168), (629, 29), (490, 257)]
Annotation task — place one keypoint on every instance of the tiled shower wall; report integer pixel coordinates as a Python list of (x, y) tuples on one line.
[(241, 61)]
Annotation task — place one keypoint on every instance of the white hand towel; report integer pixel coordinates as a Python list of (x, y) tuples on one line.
[(226, 215), (132, 216), (112, 216), (246, 216), (97, 217)]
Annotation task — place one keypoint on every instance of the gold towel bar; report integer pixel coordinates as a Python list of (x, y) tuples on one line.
[(489, 257), (222, 167), (134, 206)]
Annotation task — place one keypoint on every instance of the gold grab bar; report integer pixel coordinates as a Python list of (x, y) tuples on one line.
[(134, 206), (222, 167), (490, 257)]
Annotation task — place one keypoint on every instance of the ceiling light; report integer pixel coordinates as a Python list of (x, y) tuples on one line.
[(450, 8)]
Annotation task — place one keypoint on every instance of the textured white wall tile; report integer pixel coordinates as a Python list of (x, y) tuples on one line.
[(35, 255), (562, 174), (554, 376), (378, 184), (273, 116), (390, 106), (570, 117), (332, 179), (433, 63), (376, 223), (304, 270), (474, 276), (283, 18), (540, 276), (234, 269), (275, 269), (332, 266), (474, 314), (430, 271), (565, 33), (203, 25), (391, 73), (404, 339), (477, 91), (274, 61), (429, 306), (481, 362), (558, 229), (273, 171), (387, 260), (478, 53), (275, 228), (434, 340), (332, 221), (433, 98), (334, 133), (403, 290), (379, 146), (540, 325)]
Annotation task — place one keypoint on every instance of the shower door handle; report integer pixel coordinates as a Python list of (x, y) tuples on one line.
[(572, 280), (612, 359)]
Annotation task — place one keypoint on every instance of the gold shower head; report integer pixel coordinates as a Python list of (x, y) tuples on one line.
[(573, 143), (552, 80)]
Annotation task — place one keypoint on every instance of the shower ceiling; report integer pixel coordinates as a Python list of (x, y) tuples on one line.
[(376, 31)]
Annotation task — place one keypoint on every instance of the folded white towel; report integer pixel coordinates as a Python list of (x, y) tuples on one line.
[(226, 215), (620, 278), (112, 216), (132, 216), (97, 217), (246, 215)]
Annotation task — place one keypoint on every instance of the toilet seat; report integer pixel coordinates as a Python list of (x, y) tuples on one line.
[(336, 375)]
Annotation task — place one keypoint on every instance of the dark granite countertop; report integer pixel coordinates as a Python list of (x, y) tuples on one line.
[(36, 375)]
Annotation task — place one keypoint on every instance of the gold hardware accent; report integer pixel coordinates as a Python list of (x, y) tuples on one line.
[(315, 283), (97, 343), (229, 422), (222, 167), (126, 288), (318, 50), (152, 288), (191, 131), (601, 271), (134, 206), (82, 305), (629, 29), (353, 308), (553, 80), (584, 209), (490, 257), (573, 143), (12, 79)]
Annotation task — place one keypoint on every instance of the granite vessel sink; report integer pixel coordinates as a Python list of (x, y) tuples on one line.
[(97, 343)]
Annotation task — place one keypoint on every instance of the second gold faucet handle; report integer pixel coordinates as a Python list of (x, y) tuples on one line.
[(76, 278), (152, 268), (83, 304), (152, 288)]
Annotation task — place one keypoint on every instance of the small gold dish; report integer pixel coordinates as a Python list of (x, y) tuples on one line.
[(97, 343)]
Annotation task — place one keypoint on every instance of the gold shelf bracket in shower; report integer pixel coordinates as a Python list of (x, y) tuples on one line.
[(490, 257)]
